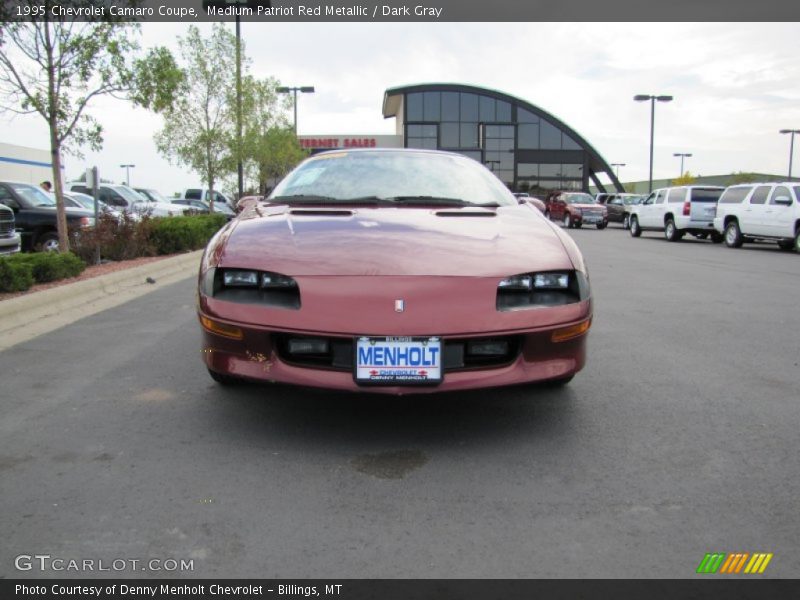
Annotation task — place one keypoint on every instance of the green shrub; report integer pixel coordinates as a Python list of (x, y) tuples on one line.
[(15, 275), (178, 234), (50, 266)]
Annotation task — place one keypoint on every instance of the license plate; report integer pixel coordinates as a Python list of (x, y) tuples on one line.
[(398, 360), (591, 219)]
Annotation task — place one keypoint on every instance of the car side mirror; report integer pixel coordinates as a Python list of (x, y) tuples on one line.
[(783, 200)]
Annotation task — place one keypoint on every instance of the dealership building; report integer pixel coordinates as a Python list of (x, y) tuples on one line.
[(20, 163), (526, 147)]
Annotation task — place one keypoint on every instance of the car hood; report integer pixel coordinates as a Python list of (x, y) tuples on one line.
[(390, 241)]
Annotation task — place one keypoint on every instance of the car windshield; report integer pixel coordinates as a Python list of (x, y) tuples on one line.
[(579, 199), (219, 207), (32, 194), (393, 178), (155, 195), (129, 194)]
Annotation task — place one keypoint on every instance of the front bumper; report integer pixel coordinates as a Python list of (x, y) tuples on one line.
[(259, 356), (10, 245)]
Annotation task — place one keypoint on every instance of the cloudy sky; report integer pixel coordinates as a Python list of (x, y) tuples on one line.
[(735, 85)]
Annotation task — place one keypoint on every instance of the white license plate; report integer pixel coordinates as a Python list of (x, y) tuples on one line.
[(398, 360), (589, 219)]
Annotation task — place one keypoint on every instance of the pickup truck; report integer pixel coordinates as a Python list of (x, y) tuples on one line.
[(35, 215), (9, 237)]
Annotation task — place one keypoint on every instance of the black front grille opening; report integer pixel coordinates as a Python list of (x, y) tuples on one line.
[(280, 298), (337, 353)]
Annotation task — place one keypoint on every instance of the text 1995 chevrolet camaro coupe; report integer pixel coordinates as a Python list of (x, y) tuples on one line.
[(393, 271)]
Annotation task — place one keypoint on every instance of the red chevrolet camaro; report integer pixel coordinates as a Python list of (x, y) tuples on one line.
[(393, 271)]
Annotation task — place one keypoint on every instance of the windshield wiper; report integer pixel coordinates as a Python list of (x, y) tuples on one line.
[(436, 201), (302, 199)]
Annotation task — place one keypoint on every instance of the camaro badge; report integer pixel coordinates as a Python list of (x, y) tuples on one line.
[(399, 305)]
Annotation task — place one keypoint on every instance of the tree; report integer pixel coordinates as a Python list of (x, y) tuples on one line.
[(56, 68), (200, 126), (269, 144), (685, 179)]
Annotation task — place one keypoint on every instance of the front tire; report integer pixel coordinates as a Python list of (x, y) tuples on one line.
[(733, 235), (47, 242), (636, 231), (671, 232), (626, 222), (601, 225), (568, 221)]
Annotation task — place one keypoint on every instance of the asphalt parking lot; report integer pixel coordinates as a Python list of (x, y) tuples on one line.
[(679, 438)]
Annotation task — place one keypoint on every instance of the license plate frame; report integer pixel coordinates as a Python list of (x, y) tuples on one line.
[(428, 347)]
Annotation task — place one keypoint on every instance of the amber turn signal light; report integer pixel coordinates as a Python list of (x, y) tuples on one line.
[(573, 331), (228, 331)]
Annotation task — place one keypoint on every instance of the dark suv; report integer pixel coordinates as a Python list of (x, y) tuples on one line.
[(35, 214)]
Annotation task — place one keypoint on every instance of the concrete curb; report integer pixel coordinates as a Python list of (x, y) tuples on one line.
[(26, 317)]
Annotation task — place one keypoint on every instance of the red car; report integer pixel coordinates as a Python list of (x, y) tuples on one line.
[(393, 271), (574, 209)]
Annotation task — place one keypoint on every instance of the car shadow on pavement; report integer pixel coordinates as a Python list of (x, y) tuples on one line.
[(321, 417)]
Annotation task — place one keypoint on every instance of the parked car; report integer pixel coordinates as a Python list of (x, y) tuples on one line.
[(9, 236), (677, 211), (393, 271), (152, 195), (201, 194), (79, 200), (619, 206), (126, 199), (760, 211), (35, 215), (194, 206), (574, 209)]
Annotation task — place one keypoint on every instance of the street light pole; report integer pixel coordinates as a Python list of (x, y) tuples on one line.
[(682, 155), (652, 99), (239, 167), (791, 132), (127, 173), (305, 89), (617, 165)]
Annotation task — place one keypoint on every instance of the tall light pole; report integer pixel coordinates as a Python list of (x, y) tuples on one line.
[(127, 173), (682, 155), (306, 89), (617, 165), (652, 99), (791, 132)]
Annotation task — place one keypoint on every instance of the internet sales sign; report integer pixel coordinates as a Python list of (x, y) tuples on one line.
[(316, 143)]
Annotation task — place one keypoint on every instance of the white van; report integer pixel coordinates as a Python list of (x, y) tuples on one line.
[(760, 211)]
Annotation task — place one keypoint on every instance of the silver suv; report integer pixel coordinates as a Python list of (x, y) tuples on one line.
[(760, 211)]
